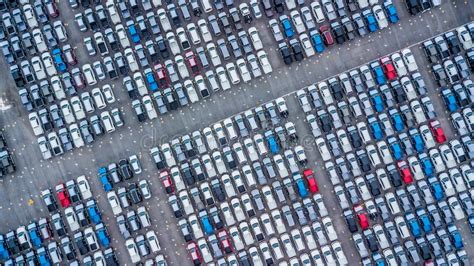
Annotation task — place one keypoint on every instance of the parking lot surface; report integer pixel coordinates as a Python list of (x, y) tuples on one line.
[(20, 200)]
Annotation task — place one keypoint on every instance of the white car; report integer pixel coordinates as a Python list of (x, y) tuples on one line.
[(204, 29), (380, 16), (222, 76), (108, 93), (255, 37), (277, 250), (236, 238), (212, 51), (205, 253), (195, 226), (140, 83), (164, 21), (66, 110), (465, 37), (71, 219), (318, 11), (167, 153), (264, 62), (89, 74), (114, 203), (297, 21), (340, 256), (191, 91), (409, 60), (132, 61), (399, 64), (243, 70), (135, 164), (76, 136), (132, 250), (232, 72), (77, 107), (323, 149), (307, 46), (57, 86), (114, 15), (173, 43), (456, 208), (98, 98), (35, 123), (30, 16), (107, 121), (289, 248), (182, 68), (254, 65), (220, 165), (122, 36), (48, 64), (38, 68), (193, 33), (149, 107), (39, 40), (153, 242)]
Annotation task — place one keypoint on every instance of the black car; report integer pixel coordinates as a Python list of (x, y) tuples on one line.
[(355, 138), (453, 42), (110, 257), (424, 4), (430, 51), (12, 243), (338, 32), (50, 202), (80, 243), (134, 193), (279, 8), (336, 90), (125, 170), (351, 221), (394, 176), (398, 92), (349, 28), (82, 215), (162, 47), (325, 121), (374, 186), (217, 190), (285, 53), (413, 7), (363, 160), (297, 50), (17, 76), (229, 158), (371, 241), (187, 174)]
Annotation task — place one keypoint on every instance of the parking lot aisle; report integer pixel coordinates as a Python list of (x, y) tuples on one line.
[(316, 163)]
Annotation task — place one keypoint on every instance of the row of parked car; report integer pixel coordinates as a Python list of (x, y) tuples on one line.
[(418, 6), (7, 162), (312, 41), (115, 173)]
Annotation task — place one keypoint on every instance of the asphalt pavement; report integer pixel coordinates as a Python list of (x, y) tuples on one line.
[(19, 193)]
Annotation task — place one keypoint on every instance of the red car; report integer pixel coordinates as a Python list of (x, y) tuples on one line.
[(405, 172), (193, 251), (51, 8), (388, 68), (161, 74), (63, 195), (313, 185), (166, 180), (327, 36), (226, 245), (192, 62), (437, 131), (362, 217)]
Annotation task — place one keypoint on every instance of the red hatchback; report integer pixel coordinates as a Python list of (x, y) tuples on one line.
[(313, 185), (166, 180), (193, 251), (161, 74), (437, 131), (192, 62), (226, 245), (327, 36), (63, 196), (388, 68), (405, 172), (361, 217)]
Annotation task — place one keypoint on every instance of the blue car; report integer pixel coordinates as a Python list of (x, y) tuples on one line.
[(417, 141), (150, 79), (93, 212), (43, 257), (104, 179), (4, 255), (206, 224), (376, 128), (450, 100), (370, 21), (302, 189), (391, 11), (413, 224), (58, 60), (436, 188), (272, 143), (132, 30), (377, 102), (455, 237), (287, 27), (317, 41), (378, 72), (397, 121), (427, 166), (102, 235), (34, 236), (395, 148), (426, 223)]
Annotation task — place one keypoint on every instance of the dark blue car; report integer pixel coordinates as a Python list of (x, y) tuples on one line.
[(132, 30), (58, 60), (455, 237), (102, 235), (417, 141), (4, 255), (413, 224), (397, 121)]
